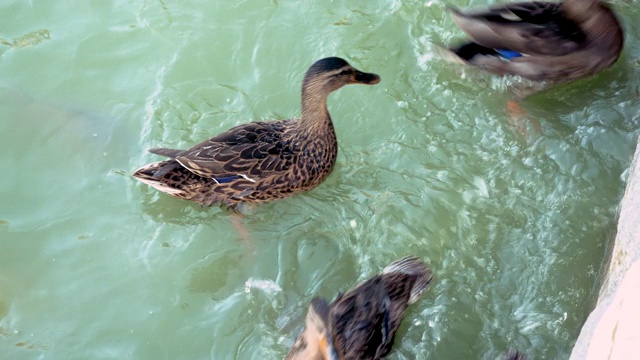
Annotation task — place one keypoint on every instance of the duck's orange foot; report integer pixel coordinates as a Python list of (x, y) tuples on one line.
[(236, 219), (514, 109), (519, 118)]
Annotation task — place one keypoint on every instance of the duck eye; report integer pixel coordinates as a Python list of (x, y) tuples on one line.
[(345, 72)]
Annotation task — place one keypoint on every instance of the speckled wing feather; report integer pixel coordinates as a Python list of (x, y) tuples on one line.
[(364, 321), (533, 28), (360, 321), (253, 150), (411, 272)]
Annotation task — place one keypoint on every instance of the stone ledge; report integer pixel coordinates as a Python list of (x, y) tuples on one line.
[(610, 331)]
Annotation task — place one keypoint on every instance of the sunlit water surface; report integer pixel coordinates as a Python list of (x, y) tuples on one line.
[(513, 219)]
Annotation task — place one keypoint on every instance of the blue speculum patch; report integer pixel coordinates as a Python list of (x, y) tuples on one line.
[(508, 54), (227, 179)]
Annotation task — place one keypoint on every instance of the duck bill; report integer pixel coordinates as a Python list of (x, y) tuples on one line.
[(364, 78)]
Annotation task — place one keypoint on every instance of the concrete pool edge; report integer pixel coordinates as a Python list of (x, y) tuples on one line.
[(610, 331)]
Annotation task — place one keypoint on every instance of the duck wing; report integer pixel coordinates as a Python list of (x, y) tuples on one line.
[(532, 28), (251, 151), (407, 279), (360, 321)]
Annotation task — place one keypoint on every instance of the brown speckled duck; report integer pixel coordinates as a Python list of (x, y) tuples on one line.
[(541, 41), (261, 161), (362, 323), (515, 355)]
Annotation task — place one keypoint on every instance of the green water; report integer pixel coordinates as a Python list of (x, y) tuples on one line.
[(95, 265)]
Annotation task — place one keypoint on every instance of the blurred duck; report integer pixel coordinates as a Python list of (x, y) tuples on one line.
[(362, 323), (261, 161), (515, 355), (540, 41)]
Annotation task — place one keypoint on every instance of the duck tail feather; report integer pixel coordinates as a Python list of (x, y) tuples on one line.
[(515, 355), (170, 153), (416, 269), (151, 174)]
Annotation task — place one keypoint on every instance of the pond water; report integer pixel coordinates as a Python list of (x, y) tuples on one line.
[(514, 219)]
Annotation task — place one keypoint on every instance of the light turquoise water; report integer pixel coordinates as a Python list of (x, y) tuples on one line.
[(94, 265)]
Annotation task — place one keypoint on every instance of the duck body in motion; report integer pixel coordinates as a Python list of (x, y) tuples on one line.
[(540, 41), (261, 161), (361, 324)]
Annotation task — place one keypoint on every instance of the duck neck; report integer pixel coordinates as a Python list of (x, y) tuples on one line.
[(579, 10), (314, 119)]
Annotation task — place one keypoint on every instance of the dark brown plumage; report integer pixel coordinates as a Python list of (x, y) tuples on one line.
[(540, 41), (261, 161), (361, 324), (515, 355)]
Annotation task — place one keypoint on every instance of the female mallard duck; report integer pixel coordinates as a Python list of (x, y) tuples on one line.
[(515, 355), (362, 323), (261, 161), (541, 41)]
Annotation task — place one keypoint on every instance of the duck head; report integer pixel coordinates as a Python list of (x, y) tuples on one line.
[(332, 73)]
